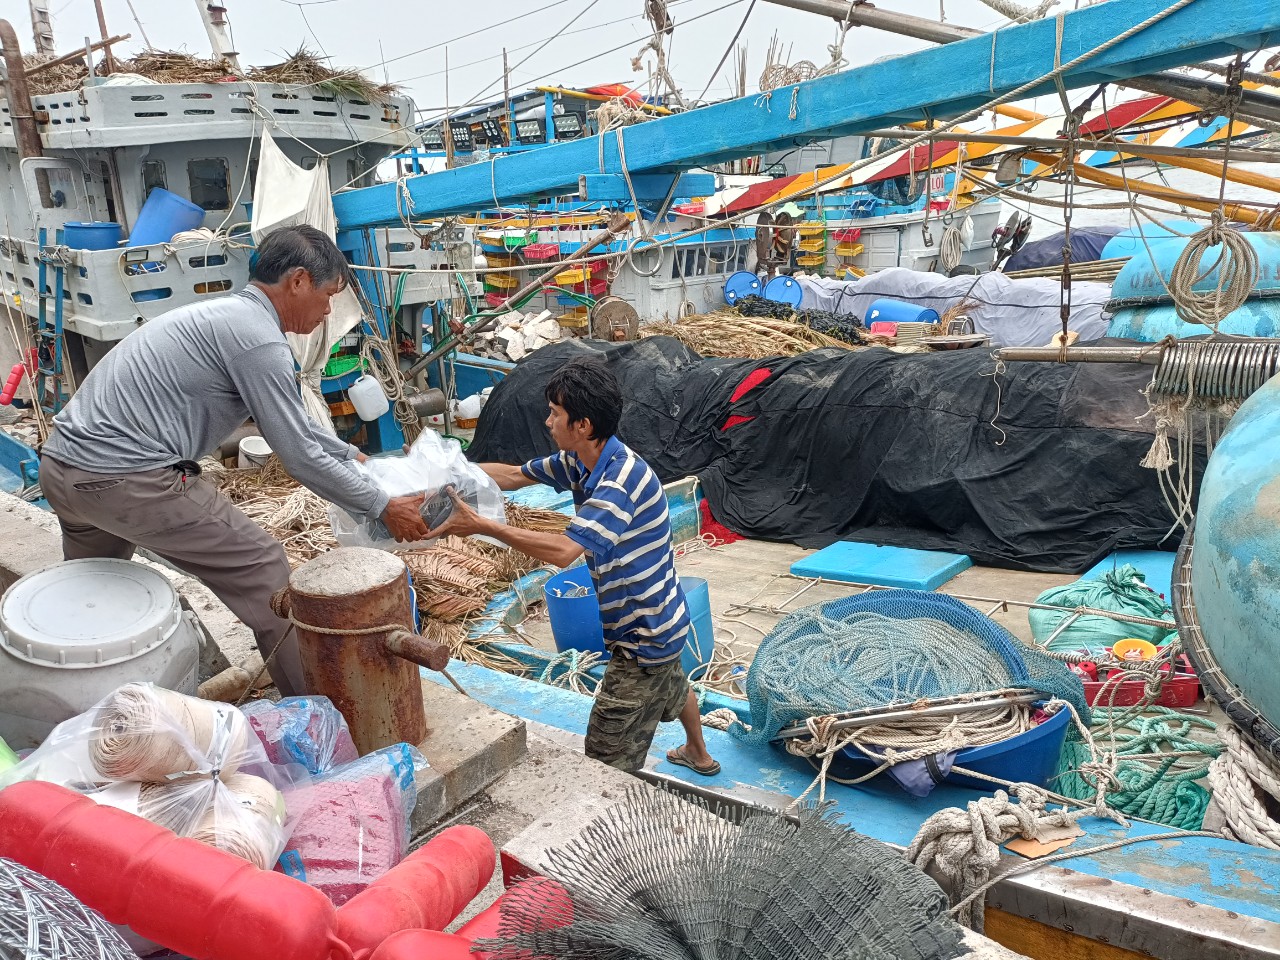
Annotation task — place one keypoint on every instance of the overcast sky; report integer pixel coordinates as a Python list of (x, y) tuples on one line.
[(367, 33)]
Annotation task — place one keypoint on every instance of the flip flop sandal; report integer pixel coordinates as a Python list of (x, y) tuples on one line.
[(678, 758)]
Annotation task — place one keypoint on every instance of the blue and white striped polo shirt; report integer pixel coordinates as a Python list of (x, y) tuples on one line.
[(623, 526)]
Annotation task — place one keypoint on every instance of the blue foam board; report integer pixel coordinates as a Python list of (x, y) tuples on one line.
[(1155, 565), (852, 562)]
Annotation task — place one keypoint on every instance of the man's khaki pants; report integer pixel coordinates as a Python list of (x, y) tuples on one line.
[(186, 521)]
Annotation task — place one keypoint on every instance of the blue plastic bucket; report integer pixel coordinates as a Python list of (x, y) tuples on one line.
[(575, 621), (98, 235), (898, 311), (164, 215), (1030, 757)]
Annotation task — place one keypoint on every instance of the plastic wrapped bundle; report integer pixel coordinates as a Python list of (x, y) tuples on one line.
[(356, 822), (431, 463), (1122, 591), (305, 730), (189, 765)]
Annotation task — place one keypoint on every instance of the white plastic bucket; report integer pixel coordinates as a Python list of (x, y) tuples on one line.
[(72, 633), (254, 452)]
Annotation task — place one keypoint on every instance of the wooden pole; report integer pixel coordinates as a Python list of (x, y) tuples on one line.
[(78, 55), (506, 99), (1233, 210), (108, 60), (448, 115)]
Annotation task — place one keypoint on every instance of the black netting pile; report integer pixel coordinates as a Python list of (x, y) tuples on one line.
[(840, 326)]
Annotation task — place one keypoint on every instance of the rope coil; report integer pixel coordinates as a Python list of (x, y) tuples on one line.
[(1238, 272)]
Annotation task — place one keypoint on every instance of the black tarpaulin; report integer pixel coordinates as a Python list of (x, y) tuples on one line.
[(882, 447)]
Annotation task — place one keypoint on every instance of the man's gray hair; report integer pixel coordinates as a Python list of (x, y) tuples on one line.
[(302, 246)]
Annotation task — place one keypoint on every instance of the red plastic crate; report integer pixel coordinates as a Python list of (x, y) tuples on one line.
[(1180, 690)]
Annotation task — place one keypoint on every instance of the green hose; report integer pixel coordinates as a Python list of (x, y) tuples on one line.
[(1163, 791)]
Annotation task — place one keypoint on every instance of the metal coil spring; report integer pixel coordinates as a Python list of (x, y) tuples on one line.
[(1217, 369)]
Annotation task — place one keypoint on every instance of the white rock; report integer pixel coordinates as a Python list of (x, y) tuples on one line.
[(516, 349), (546, 327)]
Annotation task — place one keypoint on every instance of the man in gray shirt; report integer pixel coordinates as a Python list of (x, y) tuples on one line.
[(120, 467)]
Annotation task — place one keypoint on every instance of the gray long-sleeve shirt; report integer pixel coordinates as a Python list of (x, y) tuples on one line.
[(177, 387)]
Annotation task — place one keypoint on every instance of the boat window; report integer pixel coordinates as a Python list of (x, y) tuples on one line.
[(152, 177), (309, 162), (210, 183)]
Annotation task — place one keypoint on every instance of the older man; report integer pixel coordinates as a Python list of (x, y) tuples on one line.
[(120, 469)]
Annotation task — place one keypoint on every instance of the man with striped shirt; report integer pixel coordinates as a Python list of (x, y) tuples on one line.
[(623, 529)]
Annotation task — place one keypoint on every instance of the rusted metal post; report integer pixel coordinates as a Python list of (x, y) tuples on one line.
[(378, 691), (19, 96)]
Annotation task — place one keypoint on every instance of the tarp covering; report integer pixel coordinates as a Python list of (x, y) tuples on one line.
[(1087, 244), (1015, 313), (877, 446)]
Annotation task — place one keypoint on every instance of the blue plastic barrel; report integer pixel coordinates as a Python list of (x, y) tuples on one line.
[(784, 290), (898, 311), (744, 283), (96, 235), (702, 635), (575, 621), (164, 215)]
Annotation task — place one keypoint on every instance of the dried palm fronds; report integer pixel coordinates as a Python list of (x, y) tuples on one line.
[(531, 518), (60, 79), (280, 505), (305, 68), (729, 334), (173, 66)]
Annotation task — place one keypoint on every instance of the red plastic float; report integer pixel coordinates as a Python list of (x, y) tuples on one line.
[(426, 891), (11, 385), (184, 895), (425, 945)]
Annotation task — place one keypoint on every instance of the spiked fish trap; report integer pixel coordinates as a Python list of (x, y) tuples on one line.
[(659, 878), (40, 920)]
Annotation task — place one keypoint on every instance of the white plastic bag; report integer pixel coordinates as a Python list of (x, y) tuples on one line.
[(432, 462), (192, 766)]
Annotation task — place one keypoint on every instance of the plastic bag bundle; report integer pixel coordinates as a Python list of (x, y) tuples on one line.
[(432, 462), (190, 765), (356, 824), (305, 730), (1123, 591)]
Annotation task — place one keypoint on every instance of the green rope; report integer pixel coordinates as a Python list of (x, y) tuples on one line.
[(1161, 790)]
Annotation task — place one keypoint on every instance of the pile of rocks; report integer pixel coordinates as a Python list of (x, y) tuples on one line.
[(518, 334)]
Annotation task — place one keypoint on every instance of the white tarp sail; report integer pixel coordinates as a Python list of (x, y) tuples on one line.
[(285, 195)]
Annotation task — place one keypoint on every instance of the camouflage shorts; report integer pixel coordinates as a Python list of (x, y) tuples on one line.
[(630, 703)]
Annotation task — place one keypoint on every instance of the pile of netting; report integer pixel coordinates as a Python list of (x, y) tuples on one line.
[(837, 325), (885, 648)]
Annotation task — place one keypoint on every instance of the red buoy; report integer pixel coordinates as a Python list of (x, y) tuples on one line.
[(11, 385), (426, 891), (424, 944), (192, 898)]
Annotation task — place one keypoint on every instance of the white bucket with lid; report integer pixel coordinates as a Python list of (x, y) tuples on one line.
[(72, 633)]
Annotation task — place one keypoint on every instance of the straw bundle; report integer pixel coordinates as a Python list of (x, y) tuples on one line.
[(271, 498), (305, 68), (726, 333), (530, 518), (172, 66), (153, 735)]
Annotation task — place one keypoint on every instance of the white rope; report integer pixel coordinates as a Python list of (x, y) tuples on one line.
[(1017, 12), (964, 844), (952, 249), (1238, 272), (1241, 781)]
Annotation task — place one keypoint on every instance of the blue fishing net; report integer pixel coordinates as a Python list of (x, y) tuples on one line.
[(889, 647)]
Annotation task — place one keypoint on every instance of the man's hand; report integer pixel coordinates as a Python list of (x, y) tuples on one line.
[(462, 522), (403, 519), (362, 458)]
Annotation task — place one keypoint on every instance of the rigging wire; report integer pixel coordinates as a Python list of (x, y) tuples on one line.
[(728, 50)]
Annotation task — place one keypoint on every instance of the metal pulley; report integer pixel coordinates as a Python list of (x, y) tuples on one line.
[(353, 611), (614, 319)]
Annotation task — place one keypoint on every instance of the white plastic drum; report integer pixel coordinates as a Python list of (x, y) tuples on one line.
[(72, 633)]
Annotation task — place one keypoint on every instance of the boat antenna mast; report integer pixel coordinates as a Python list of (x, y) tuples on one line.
[(216, 26)]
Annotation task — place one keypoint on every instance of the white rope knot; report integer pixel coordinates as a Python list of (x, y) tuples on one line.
[(1242, 781)]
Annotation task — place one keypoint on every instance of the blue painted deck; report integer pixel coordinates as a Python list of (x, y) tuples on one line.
[(849, 561), (1218, 873)]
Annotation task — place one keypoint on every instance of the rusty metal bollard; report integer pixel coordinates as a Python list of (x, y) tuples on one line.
[(353, 614)]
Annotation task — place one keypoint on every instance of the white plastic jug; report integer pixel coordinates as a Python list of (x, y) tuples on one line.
[(369, 398)]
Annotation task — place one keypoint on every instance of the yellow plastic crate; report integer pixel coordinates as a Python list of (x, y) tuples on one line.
[(812, 230), (848, 249), (500, 281), (813, 246), (567, 277), (811, 261)]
